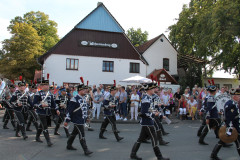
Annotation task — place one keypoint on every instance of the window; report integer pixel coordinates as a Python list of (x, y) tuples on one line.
[(107, 66), (218, 86), (134, 67), (72, 64), (229, 86), (166, 64)]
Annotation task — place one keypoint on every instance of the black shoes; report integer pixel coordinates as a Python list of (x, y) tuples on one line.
[(5, 127), (71, 148), (135, 157), (163, 143), (202, 142), (38, 140), (165, 133)]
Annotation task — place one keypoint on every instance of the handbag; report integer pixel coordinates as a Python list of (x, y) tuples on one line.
[(132, 104)]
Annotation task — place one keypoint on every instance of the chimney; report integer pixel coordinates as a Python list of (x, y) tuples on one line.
[(99, 3)]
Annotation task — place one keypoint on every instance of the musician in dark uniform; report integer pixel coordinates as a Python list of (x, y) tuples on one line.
[(20, 101), (77, 114), (61, 107), (232, 119), (158, 119), (212, 115), (203, 113), (43, 101), (147, 123), (32, 116), (9, 113), (109, 105), (54, 115)]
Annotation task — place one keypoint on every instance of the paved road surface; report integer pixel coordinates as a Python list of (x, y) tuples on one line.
[(183, 145)]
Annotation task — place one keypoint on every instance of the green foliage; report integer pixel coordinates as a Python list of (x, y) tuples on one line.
[(32, 35), (45, 28), (137, 37), (210, 28), (21, 49)]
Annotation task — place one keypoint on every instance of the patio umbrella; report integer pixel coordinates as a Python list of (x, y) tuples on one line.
[(137, 79)]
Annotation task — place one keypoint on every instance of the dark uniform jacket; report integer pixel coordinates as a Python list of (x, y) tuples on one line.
[(109, 111), (211, 108), (62, 99), (147, 118), (232, 114), (37, 102), (77, 110), (24, 99)]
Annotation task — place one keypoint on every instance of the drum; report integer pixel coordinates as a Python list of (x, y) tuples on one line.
[(225, 138)]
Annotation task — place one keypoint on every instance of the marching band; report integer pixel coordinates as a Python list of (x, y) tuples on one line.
[(24, 106)]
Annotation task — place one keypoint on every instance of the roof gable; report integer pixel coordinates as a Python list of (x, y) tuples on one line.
[(166, 78), (141, 49), (147, 44), (100, 19)]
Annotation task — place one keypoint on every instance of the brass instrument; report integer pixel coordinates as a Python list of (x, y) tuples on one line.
[(44, 100), (63, 104), (3, 90), (152, 108), (18, 101)]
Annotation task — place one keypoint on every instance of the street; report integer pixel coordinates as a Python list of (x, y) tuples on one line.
[(183, 145)]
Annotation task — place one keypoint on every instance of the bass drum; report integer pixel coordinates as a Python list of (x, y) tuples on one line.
[(225, 138), (221, 101)]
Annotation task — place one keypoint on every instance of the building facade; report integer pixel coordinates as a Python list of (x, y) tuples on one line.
[(98, 50)]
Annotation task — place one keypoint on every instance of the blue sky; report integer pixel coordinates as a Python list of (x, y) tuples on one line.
[(153, 16)]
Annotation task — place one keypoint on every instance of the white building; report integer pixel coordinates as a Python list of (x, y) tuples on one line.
[(98, 50)]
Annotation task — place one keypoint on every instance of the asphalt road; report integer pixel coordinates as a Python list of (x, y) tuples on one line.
[(183, 145)]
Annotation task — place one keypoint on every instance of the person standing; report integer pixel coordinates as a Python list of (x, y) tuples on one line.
[(147, 123), (97, 102), (232, 119), (177, 97), (109, 105), (123, 103), (20, 100), (44, 102), (134, 104), (77, 114), (166, 103)]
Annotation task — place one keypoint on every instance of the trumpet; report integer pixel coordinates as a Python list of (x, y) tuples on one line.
[(113, 102), (18, 101), (63, 104), (152, 109), (44, 100)]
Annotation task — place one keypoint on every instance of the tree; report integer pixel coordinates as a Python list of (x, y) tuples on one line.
[(46, 28), (21, 51), (209, 29), (137, 37)]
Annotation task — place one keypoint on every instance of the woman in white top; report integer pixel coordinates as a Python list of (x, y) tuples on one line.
[(186, 94), (134, 104), (166, 102), (97, 102)]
